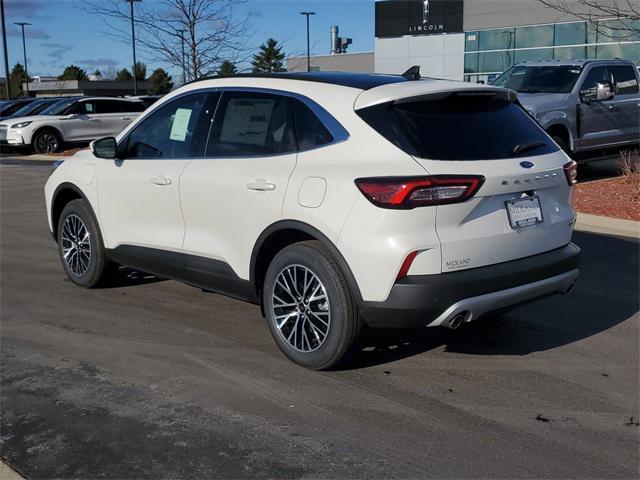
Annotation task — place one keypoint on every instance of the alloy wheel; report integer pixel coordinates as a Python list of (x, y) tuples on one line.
[(47, 142), (301, 308), (76, 245)]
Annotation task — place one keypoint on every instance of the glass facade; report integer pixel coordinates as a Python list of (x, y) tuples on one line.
[(489, 52)]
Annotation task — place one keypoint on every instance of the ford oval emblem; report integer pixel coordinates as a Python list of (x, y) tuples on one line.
[(526, 165)]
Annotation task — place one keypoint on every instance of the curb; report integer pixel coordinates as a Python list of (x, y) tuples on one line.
[(607, 225), (8, 473)]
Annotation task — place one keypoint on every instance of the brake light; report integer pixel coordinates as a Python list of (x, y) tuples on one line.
[(411, 192), (571, 172)]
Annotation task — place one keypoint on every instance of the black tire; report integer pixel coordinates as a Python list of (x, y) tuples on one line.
[(344, 324), (90, 270), (46, 140)]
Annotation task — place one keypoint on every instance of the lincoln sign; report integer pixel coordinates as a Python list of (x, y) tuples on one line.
[(395, 18)]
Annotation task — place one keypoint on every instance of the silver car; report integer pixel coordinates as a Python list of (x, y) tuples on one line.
[(584, 105), (72, 120)]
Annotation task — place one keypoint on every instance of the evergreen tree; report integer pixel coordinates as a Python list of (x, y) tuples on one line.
[(269, 58), (97, 73), (141, 71), (73, 73), (160, 82), (17, 77), (124, 76), (227, 68)]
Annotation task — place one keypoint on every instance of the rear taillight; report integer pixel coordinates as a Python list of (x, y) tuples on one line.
[(410, 192), (571, 172)]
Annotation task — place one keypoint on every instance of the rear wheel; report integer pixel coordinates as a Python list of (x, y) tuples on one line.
[(81, 248), (47, 141), (309, 307)]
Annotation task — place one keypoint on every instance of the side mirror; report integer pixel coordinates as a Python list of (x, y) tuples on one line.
[(104, 148), (602, 91)]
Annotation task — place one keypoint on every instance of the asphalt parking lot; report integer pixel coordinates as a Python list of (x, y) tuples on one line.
[(156, 379)]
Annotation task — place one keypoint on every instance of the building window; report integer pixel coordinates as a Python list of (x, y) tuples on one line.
[(494, 62), (471, 42), (570, 53), (571, 34), (470, 63), (493, 51), (529, 37), (500, 39), (537, 54)]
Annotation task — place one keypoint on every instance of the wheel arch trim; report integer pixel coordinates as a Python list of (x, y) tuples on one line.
[(313, 232), (46, 127), (59, 189)]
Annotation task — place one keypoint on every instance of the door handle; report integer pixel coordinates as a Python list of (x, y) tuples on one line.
[(261, 186), (161, 180), (94, 120), (125, 118), (611, 107)]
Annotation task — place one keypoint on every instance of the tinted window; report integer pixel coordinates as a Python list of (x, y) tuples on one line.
[(11, 108), (595, 76), (538, 36), (249, 124), (83, 108), (459, 126), (310, 131), (548, 79), (626, 81), (58, 108), (571, 33), (175, 130)]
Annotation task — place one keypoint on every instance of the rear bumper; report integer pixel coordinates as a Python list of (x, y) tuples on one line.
[(438, 300)]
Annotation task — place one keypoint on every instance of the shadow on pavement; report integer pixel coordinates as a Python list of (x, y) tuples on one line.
[(605, 295)]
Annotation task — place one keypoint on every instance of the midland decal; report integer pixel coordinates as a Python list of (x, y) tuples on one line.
[(395, 18)]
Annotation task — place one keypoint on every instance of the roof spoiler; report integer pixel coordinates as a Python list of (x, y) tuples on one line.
[(413, 73)]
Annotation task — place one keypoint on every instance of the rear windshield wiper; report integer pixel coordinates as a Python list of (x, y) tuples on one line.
[(518, 149)]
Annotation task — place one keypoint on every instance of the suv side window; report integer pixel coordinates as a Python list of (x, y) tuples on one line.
[(310, 131), (596, 75), (250, 124), (626, 80), (175, 130), (83, 108), (108, 106)]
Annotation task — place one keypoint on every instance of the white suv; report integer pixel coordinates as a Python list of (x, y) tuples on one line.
[(71, 120), (331, 200)]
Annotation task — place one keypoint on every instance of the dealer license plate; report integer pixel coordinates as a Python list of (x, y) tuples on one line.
[(524, 212)]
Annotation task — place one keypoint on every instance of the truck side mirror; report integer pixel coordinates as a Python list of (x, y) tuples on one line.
[(602, 91)]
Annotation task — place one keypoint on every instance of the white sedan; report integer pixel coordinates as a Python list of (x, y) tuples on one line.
[(72, 120)]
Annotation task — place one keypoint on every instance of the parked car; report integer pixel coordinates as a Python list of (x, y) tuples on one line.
[(74, 120), (35, 107), (9, 107), (585, 105), (333, 200)]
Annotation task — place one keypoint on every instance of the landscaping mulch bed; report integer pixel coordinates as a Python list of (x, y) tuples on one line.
[(611, 197)]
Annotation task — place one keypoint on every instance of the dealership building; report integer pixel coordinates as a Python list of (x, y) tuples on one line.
[(475, 40)]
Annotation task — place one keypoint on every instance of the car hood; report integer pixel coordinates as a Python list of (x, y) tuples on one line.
[(543, 101)]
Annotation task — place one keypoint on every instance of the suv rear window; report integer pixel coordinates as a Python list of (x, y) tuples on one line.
[(459, 126)]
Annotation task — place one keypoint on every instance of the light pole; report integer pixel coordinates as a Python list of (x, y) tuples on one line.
[(308, 14), (7, 86), (24, 52), (184, 71), (133, 44)]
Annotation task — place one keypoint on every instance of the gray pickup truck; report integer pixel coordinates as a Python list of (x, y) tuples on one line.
[(586, 106)]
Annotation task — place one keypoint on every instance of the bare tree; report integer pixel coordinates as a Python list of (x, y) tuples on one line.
[(211, 30), (627, 12)]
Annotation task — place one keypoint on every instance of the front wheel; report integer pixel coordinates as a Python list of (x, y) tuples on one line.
[(81, 248), (47, 141), (309, 307)]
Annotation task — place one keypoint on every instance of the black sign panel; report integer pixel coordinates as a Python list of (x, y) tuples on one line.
[(395, 18)]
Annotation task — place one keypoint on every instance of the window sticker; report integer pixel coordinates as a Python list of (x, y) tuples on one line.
[(88, 107), (180, 124), (246, 121)]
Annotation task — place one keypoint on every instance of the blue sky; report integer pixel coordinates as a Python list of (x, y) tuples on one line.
[(62, 34)]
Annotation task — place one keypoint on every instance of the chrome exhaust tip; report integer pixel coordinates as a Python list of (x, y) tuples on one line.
[(457, 320)]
